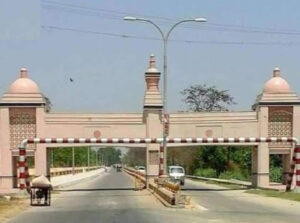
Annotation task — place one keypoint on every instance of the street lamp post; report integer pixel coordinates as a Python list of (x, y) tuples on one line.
[(165, 38)]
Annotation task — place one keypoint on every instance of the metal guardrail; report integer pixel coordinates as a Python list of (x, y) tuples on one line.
[(68, 170)]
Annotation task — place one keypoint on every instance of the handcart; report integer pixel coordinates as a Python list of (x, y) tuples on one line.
[(40, 192)]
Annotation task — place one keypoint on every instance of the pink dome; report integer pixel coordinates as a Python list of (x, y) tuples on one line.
[(276, 84), (23, 84)]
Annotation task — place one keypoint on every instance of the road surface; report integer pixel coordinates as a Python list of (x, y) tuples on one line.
[(110, 198), (234, 205)]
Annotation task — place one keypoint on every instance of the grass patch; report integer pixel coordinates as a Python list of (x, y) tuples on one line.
[(10, 208), (221, 184), (227, 185), (279, 194)]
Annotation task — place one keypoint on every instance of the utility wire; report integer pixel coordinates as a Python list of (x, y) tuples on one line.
[(96, 32), (103, 10), (117, 15), (45, 27)]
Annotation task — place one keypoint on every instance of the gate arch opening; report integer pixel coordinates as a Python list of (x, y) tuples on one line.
[(23, 171)]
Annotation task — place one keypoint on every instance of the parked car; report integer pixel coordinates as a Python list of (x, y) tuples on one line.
[(141, 169), (177, 173), (118, 167)]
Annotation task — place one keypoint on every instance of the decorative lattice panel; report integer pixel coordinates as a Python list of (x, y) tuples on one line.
[(22, 125), (280, 123)]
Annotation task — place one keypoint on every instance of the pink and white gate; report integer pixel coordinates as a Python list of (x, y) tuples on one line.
[(23, 170)]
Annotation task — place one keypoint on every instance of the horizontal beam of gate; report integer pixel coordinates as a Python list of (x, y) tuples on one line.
[(156, 140), (23, 170)]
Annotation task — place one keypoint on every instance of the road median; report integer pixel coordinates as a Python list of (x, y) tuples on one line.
[(167, 192)]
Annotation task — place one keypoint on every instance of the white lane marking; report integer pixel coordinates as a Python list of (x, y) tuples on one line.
[(201, 207)]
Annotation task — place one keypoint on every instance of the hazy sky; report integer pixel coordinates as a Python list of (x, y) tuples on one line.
[(236, 49)]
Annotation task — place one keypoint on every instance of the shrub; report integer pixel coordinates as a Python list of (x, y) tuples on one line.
[(208, 172), (276, 174)]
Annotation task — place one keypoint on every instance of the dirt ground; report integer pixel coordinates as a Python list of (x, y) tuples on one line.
[(12, 207)]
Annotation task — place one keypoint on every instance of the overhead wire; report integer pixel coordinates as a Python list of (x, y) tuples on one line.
[(116, 15), (102, 10), (47, 27)]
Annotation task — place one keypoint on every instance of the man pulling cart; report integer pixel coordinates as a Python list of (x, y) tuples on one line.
[(40, 191)]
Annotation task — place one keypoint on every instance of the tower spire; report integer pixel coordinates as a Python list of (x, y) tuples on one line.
[(152, 67), (152, 95), (276, 72)]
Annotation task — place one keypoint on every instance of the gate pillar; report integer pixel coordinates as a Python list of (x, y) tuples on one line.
[(153, 130), (6, 166), (20, 109), (260, 165), (278, 112), (263, 163), (286, 164), (263, 153), (152, 116), (41, 154)]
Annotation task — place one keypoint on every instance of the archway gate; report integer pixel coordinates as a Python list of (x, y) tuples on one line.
[(24, 181)]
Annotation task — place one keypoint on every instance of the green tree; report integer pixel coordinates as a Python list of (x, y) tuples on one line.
[(62, 157), (203, 98), (110, 155), (135, 157), (206, 98), (211, 157)]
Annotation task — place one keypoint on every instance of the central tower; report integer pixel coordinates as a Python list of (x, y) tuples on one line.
[(152, 116)]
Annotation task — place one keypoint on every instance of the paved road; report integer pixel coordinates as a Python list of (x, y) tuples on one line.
[(237, 206), (110, 198)]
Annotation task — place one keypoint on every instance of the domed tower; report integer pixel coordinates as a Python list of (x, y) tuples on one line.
[(22, 110), (277, 110)]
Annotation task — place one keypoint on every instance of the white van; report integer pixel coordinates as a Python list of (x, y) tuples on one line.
[(141, 169), (177, 173)]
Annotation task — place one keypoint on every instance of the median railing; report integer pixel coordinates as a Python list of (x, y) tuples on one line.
[(167, 191)]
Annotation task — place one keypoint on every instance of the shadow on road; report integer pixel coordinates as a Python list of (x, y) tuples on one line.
[(96, 189)]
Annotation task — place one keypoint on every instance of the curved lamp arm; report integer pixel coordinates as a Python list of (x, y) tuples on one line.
[(182, 21), (154, 24)]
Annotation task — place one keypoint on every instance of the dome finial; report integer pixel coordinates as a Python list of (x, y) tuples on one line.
[(276, 72), (23, 73), (152, 67), (152, 61)]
